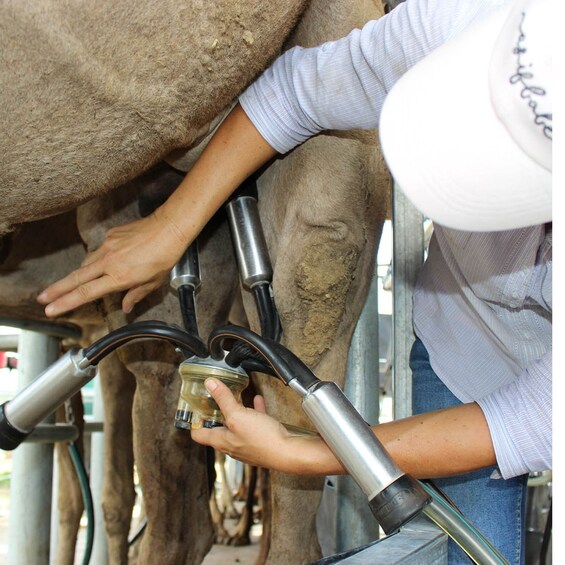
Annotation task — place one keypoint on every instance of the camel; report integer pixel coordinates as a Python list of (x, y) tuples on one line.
[(102, 101)]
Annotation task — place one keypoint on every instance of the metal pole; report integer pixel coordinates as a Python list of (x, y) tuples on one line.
[(32, 467), (54, 534), (408, 256), (100, 546)]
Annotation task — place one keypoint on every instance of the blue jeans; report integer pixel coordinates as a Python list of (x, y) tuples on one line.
[(497, 507)]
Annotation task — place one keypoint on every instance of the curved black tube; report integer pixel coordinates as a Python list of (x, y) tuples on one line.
[(241, 355), (187, 303), (251, 365), (150, 329), (244, 356), (285, 365), (268, 315)]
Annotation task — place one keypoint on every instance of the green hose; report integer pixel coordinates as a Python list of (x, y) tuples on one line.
[(86, 497), (460, 530)]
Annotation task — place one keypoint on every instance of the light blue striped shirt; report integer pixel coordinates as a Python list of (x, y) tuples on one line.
[(482, 305)]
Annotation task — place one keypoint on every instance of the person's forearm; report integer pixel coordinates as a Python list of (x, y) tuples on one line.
[(440, 443), (435, 444), (235, 151)]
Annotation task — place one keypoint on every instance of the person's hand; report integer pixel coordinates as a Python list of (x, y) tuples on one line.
[(249, 435), (136, 257)]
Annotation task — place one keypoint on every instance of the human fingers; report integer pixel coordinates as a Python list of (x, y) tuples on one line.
[(227, 437), (60, 302), (94, 256), (78, 287), (137, 294), (220, 438), (259, 404), (215, 437), (224, 398), (78, 277)]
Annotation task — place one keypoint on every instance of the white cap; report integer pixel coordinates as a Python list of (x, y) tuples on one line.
[(467, 132)]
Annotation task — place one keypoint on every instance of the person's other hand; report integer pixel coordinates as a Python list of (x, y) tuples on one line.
[(136, 257), (249, 435)]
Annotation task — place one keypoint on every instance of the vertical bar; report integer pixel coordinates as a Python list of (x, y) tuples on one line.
[(32, 467), (54, 534), (408, 256), (100, 546)]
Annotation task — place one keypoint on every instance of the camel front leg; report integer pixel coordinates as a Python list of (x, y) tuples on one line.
[(118, 492), (172, 468), (325, 204)]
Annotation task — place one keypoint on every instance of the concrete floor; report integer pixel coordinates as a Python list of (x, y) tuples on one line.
[(224, 555)]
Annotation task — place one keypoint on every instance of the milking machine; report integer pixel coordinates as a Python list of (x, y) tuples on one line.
[(231, 354), (394, 497), (196, 408)]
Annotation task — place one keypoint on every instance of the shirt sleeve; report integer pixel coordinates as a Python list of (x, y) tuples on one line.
[(519, 419), (342, 84)]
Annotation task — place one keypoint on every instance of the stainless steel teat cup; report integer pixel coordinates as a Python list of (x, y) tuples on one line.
[(197, 408)]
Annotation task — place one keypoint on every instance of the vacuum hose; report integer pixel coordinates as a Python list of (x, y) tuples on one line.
[(65, 377), (253, 256), (185, 279)]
